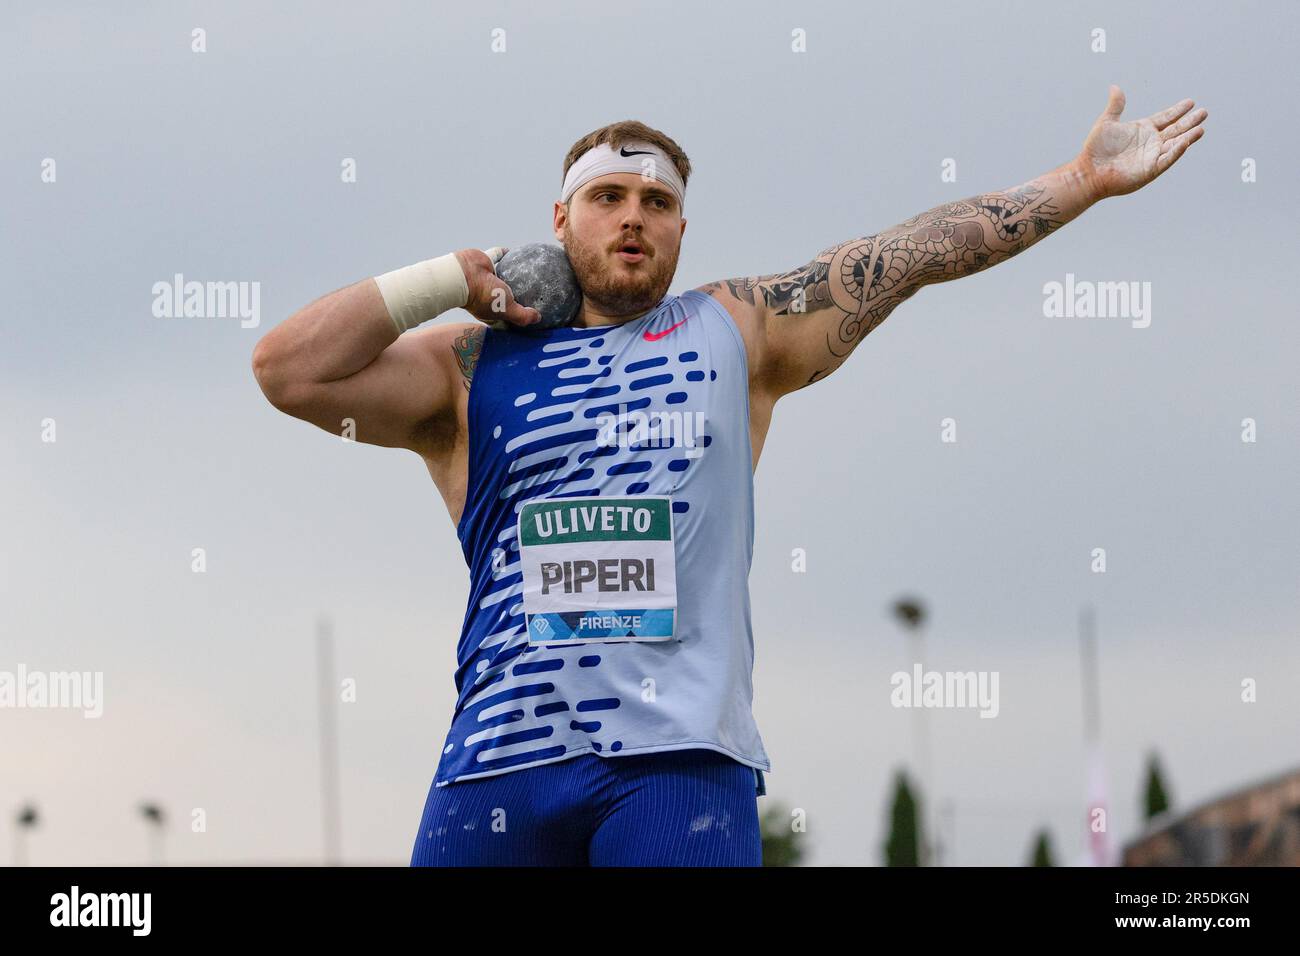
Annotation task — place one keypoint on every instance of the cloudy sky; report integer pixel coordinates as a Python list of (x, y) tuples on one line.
[(1073, 434)]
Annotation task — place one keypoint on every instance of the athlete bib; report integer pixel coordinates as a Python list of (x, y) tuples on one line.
[(598, 569)]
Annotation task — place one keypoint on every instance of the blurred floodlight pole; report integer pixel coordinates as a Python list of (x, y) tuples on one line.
[(26, 819), (1098, 853), (329, 764), (154, 819), (911, 615)]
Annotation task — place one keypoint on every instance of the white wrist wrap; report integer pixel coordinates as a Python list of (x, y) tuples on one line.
[(419, 292)]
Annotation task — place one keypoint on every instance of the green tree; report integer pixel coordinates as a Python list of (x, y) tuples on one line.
[(782, 845), (1042, 855), (1157, 798), (903, 848)]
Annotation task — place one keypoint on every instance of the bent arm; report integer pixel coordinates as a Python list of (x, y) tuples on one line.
[(341, 358), (811, 319)]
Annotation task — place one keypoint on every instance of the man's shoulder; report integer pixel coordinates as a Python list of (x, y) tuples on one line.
[(737, 296), (452, 345), (451, 351)]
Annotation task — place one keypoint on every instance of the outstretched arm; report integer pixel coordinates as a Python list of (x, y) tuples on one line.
[(808, 320)]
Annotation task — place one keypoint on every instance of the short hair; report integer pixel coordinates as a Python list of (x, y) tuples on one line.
[(628, 131)]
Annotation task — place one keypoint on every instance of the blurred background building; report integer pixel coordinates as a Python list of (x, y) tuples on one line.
[(1257, 826)]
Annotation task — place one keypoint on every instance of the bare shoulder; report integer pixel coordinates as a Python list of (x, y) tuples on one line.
[(451, 350), (454, 347)]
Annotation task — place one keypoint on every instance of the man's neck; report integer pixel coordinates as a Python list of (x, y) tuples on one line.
[(589, 318)]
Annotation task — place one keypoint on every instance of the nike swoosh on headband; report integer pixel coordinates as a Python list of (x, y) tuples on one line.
[(656, 336), (636, 152)]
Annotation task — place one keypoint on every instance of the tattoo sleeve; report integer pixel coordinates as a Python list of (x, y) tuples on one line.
[(467, 347), (822, 310)]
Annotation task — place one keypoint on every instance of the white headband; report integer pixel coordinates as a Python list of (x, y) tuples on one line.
[(646, 159)]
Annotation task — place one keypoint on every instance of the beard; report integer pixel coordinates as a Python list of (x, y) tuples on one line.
[(614, 287)]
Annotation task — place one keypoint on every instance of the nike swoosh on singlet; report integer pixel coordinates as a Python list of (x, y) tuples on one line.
[(656, 336)]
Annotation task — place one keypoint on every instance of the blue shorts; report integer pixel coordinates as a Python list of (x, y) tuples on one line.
[(676, 808)]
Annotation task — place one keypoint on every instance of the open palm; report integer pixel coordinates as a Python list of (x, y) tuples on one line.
[(1121, 157)]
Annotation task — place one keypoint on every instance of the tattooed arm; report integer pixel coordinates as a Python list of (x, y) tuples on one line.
[(804, 323), (467, 346), (812, 318)]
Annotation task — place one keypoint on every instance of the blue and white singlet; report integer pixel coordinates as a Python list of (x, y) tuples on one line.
[(657, 408)]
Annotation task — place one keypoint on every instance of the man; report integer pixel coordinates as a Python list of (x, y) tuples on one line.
[(601, 478)]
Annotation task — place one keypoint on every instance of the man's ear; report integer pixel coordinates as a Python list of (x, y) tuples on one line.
[(559, 216)]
